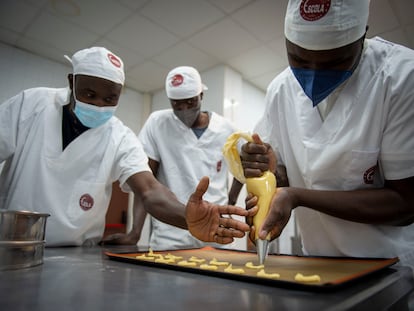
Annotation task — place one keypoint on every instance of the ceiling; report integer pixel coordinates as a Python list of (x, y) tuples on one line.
[(153, 36)]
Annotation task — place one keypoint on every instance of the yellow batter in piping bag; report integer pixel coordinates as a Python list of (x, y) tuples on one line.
[(262, 187)]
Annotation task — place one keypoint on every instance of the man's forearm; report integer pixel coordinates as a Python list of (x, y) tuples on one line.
[(138, 216), (234, 191), (372, 206), (163, 205)]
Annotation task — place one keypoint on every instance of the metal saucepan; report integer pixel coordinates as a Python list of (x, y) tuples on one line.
[(22, 225), (22, 235)]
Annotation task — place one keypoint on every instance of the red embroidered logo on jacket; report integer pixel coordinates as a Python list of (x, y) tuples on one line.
[(86, 202), (312, 10), (369, 175)]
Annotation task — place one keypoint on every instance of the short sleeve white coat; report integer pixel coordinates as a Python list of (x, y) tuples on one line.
[(184, 159)]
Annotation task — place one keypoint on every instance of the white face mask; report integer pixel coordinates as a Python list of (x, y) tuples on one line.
[(90, 115)]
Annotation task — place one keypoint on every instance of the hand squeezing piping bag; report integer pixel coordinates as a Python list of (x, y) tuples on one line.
[(262, 187)]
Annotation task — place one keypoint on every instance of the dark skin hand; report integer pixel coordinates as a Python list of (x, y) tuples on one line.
[(132, 237), (139, 212), (258, 157), (205, 221), (197, 216)]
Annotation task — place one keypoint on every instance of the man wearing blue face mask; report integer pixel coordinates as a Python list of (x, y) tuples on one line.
[(338, 131), (63, 148), (184, 143)]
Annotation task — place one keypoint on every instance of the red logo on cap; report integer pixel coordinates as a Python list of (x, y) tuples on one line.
[(86, 202), (114, 60), (177, 80), (312, 10)]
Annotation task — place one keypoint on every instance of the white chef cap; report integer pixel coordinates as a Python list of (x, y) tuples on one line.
[(325, 24), (98, 62), (183, 82)]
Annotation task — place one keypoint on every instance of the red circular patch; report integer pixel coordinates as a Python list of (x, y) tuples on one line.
[(86, 202), (369, 175), (114, 60), (177, 80), (312, 10)]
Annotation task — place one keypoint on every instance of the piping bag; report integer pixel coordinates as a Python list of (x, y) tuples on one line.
[(262, 187)]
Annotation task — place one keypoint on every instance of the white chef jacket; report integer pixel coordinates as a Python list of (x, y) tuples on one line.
[(74, 185), (367, 137), (184, 159)]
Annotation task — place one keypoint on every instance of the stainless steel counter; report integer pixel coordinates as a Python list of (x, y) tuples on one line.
[(78, 278)]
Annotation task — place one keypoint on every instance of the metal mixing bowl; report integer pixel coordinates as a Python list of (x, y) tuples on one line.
[(22, 235)]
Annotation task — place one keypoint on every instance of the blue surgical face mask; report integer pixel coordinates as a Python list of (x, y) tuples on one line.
[(318, 84), (90, 115)]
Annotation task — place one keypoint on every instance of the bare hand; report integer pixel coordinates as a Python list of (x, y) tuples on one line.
[(257, 157), (279, 214), (205, 221), (251, 205)]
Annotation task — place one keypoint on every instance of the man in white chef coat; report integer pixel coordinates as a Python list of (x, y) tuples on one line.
[(63, 148), (183, 144), (340, 122)]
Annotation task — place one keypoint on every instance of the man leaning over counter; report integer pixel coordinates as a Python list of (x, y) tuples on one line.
[(63, 148)]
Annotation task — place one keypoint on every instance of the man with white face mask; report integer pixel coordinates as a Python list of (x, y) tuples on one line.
[(64, 148), (340, 122), (183, 144)]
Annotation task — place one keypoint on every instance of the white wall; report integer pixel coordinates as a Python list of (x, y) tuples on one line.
[(21, 70)]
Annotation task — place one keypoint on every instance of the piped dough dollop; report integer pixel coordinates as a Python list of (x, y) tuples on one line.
[(299, 277), (263, 274)]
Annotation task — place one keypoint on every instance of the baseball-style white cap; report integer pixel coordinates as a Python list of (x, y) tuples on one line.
[(325, 24), (183, 82), (98, 62)]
